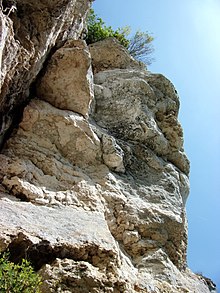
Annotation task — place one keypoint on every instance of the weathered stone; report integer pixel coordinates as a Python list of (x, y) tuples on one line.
[(81, 276), (53, 142), (110, 54), (143, 107), (78, 234), (106, 195), (29, 30), (67, 83), (112, 153)]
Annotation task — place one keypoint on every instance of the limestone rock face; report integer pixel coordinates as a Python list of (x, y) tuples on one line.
[(29, 30), (98, 203), (67, 83), (109, 54)]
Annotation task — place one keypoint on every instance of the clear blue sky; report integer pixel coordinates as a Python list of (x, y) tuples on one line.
[(187, 51)]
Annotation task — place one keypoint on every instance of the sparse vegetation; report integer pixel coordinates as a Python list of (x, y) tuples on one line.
[(139, 46), (17, 278), (97, 31)]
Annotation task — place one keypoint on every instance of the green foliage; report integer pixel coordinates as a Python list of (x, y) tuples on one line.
[(97, 31), (15, 278), (139, 46)]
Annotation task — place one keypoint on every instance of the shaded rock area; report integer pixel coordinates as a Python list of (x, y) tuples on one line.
[(94, 180), (29, 31)]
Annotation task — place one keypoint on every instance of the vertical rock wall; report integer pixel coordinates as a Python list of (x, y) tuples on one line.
[(29, 31), (95, 179)]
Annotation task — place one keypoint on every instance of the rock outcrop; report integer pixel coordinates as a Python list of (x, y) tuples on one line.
[(95, 179), (29, 32), (107, 54), (68, 81)]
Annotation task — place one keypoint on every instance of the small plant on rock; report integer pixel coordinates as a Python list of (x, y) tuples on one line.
[(98, 31), (18, 278), (139, 46)]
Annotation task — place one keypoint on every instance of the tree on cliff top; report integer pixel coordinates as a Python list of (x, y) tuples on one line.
[(139, 46)]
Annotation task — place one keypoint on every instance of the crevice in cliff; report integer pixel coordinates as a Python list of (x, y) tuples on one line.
[(38, 254), (43, 252), (15, 114), (22, 197), (8, 7)]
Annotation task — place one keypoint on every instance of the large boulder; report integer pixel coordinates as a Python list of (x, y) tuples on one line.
[(68, 81), (110, 54)]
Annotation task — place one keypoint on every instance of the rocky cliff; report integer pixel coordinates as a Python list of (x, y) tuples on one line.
[(94, 178)]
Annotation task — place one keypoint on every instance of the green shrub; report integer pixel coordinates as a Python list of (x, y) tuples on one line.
[(17, 278), (98, 31), (139, 46)]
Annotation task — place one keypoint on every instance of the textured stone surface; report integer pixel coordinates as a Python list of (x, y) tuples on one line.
[(79, 277), (76, 232), (98, 204), (109, 54), (27, 35), (67, 83), (143, 107), (68, 142)]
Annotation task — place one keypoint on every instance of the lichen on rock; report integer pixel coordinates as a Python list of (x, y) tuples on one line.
[(94, 183)]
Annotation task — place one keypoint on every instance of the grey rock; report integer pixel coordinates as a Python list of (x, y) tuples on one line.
[(68, 81), (98, 203), (28, 35), (110, 54)]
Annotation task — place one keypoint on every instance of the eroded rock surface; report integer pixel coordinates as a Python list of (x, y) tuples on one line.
[(29, 30), (68, 81), (98, 203), (109, 54)]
